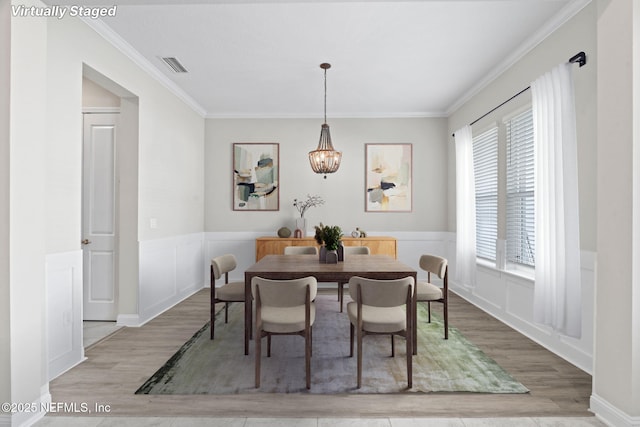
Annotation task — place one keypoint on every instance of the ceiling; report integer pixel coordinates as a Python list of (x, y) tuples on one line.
[(389, 58)]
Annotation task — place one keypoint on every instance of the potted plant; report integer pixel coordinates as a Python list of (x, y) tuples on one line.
[(329, 239)]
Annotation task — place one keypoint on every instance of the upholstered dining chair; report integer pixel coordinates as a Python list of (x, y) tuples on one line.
[(227, 293), (351, 250), (381, 307), (428, 292), (300, 250), (284, 307)]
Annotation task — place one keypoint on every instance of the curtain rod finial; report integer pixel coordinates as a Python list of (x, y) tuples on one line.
[(580, 58)]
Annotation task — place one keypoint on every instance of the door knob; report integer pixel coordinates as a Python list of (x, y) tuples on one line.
[(86, 241)]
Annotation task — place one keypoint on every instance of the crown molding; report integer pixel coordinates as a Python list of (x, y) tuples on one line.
[(130, 52), (558, 20), (396, 115)]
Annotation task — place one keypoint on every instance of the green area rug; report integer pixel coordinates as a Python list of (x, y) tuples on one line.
[(219, 366)]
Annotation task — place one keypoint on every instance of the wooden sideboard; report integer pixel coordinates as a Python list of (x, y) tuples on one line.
[(379, 245)]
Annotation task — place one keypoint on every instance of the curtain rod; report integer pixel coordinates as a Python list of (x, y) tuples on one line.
[(580, 58)]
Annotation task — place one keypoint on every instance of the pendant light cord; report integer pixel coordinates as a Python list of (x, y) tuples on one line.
[(325, 96)]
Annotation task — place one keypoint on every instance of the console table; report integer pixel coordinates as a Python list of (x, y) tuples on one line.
[(379, 245)]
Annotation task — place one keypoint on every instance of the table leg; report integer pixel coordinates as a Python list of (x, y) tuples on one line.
[(247, 313), (415, 317)]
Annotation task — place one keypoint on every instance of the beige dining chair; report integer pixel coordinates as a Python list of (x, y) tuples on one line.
[(428, 292), (284, 307), (381, 307), (300, 250), (350, 250), (227, 293)]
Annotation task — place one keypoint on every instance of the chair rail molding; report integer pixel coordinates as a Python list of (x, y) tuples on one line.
[(64, 311), (170, 271), (508, 296)]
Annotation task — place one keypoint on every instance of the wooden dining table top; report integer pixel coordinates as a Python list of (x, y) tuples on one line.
[(295, 266), (286, 267)]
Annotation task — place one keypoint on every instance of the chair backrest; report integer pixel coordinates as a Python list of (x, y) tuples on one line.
[(284, 293), (223, 264), (300, 250), (434, 264), (357, 250), (381, 293)]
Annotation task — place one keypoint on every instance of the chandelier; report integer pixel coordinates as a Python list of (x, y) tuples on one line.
[(325, 159)]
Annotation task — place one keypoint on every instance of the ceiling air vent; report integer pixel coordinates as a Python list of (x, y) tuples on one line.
[(174, 64)]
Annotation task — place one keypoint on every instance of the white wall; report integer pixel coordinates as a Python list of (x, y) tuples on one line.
[(28, 139), (5, 325), (171, 135), (616, 385), (578, 34), (343, 191), (505, 295), (45, 142)]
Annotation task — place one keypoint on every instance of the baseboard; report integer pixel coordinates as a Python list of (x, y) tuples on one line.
[(131, 320), (37, 411), (135, 321), (611, 415)]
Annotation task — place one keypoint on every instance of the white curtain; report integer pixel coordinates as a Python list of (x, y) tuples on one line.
[(465, 273), (557, 300)]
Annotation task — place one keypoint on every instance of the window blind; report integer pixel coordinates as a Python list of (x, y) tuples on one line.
[(485, 165), (520, 214)]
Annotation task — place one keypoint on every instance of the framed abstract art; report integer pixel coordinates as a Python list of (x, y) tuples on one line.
[(388, 176), (256, 176)]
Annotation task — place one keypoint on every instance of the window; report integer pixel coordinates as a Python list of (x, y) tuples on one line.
[(485, 166), (520, 217)]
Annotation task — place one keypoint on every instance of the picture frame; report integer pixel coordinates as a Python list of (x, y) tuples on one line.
[(256, 176), (388, 177)]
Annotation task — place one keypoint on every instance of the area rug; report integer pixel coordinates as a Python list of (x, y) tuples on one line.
[(219, 366)]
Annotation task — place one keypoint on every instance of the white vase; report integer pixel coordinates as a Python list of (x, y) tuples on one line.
[(301, 225)]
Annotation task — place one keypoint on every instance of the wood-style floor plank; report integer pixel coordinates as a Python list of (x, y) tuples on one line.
[(117, 366)]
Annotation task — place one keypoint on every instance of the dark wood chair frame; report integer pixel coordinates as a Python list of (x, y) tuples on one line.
[(444, 300), (214, 300), (307, 334), (406, 333)]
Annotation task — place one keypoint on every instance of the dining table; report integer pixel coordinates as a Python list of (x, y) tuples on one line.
[(286, 267)]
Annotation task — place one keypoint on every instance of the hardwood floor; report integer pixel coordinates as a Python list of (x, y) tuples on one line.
[(117, 366)]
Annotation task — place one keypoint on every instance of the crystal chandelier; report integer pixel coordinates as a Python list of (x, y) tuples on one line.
[(325, 159)]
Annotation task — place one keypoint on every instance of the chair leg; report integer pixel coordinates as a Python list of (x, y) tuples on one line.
[(250, 318), (213, 318), (268, 345), (359, 357), (351, 340), (258, 356), (393, 347), (446, 320), (429, 310), (340, 294), (307, 357), (226, 312), (409, 361)]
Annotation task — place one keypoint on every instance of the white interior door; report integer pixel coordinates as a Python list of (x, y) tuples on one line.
[(99, 225)]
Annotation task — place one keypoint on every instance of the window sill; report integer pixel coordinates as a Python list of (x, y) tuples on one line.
[(521, 273)]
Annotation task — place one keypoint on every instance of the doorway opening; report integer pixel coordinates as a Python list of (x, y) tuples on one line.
[(109, 205)]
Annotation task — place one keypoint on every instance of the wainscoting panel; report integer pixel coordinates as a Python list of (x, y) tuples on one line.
[(411, 245), (519, 296), (509, 298), (241, 244), (170, 271), (506, 296), (64, 311), (490, 288)]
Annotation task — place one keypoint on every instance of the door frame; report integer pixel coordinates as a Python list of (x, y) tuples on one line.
[(116, 220)]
